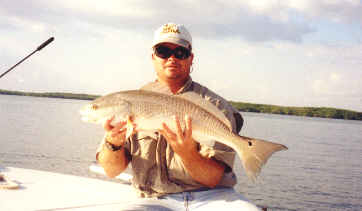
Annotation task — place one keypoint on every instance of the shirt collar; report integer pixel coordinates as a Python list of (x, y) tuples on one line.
[(159, 87), (186, 87)]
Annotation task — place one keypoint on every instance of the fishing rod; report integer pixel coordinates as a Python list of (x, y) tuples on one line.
[(37, 49)]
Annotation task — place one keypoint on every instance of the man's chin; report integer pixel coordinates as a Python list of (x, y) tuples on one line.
[(172, 73)]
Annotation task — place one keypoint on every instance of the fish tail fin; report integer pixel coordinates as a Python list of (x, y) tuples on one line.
[(255, 153)]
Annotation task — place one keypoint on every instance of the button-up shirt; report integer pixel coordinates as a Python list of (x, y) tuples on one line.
[(157, 170)]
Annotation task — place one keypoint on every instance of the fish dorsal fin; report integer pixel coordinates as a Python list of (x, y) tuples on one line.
[(207, 105)]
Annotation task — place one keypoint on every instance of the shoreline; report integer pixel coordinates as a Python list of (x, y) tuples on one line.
[(321, 112)]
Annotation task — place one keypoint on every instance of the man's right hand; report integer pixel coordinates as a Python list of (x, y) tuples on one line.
[(116, 134), (114, 162)]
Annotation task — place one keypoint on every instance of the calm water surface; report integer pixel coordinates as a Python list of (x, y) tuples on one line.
[(322, 169)]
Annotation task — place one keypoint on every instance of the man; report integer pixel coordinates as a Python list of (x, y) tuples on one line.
[(171, 165)]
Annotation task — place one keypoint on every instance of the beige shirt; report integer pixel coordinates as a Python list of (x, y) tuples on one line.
[(157, 170)]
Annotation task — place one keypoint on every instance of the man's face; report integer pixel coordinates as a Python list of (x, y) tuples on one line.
[(171, 68)]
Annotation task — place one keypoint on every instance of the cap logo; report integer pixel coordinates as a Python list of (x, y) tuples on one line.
[(170, 28)]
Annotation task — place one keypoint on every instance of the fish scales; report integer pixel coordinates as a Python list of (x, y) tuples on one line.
[(150, 109), (148, 105)]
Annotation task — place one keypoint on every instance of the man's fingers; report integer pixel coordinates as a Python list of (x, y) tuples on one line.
[(164, 133), (115, 131), (188, 130), (166, 129), (129, 118), (107, 124), (178, 127), (120, 125), (167, 132), (117, 128)]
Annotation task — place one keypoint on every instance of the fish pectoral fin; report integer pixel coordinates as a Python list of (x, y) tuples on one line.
[(130, 128)]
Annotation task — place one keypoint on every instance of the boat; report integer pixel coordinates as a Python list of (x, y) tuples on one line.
[(28, 189), (125, 177)]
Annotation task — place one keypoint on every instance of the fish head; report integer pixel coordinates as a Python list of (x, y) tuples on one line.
[(100, 110)]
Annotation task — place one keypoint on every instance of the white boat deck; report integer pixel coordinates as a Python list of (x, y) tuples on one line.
[(47, 191)]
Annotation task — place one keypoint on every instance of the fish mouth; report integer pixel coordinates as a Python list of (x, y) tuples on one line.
[(85, 114), (85, 119), (89, 119)]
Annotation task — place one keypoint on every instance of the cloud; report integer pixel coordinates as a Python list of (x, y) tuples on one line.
[(347, 11), (336, 85), (334, 76), (220, 19), (254, 21), (344, 56)]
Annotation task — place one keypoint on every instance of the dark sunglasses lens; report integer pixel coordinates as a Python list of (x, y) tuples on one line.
[(181, 53), (163, 52)]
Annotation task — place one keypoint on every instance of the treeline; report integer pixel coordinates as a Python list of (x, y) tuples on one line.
[(51, 95), (299, 111), (244, 107)]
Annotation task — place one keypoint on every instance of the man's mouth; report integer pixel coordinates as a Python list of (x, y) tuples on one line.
[(172, 66)]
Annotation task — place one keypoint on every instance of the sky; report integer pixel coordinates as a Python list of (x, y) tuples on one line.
[(280, 52)]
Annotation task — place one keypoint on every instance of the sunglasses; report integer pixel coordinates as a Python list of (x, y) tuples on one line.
[(165, 52)]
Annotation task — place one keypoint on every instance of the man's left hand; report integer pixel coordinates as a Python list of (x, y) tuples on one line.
[(181, 142)]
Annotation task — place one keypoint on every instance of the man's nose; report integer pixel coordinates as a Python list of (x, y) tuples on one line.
[(172, 57)]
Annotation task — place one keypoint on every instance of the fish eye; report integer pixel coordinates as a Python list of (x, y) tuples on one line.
[(94, 107)]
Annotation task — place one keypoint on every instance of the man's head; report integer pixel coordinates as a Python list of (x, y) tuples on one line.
[(172, 56)]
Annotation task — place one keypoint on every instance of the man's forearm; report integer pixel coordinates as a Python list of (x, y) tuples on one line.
[(113, 162), (204, 170)]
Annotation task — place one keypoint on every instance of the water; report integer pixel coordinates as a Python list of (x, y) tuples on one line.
[(320, 171)]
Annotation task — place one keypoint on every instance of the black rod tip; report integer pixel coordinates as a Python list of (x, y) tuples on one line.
[(45, 43)]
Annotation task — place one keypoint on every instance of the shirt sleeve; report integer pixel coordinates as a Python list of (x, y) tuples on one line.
[(219, 152)]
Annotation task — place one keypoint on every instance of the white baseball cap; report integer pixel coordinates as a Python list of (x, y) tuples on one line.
[(173, 33)]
